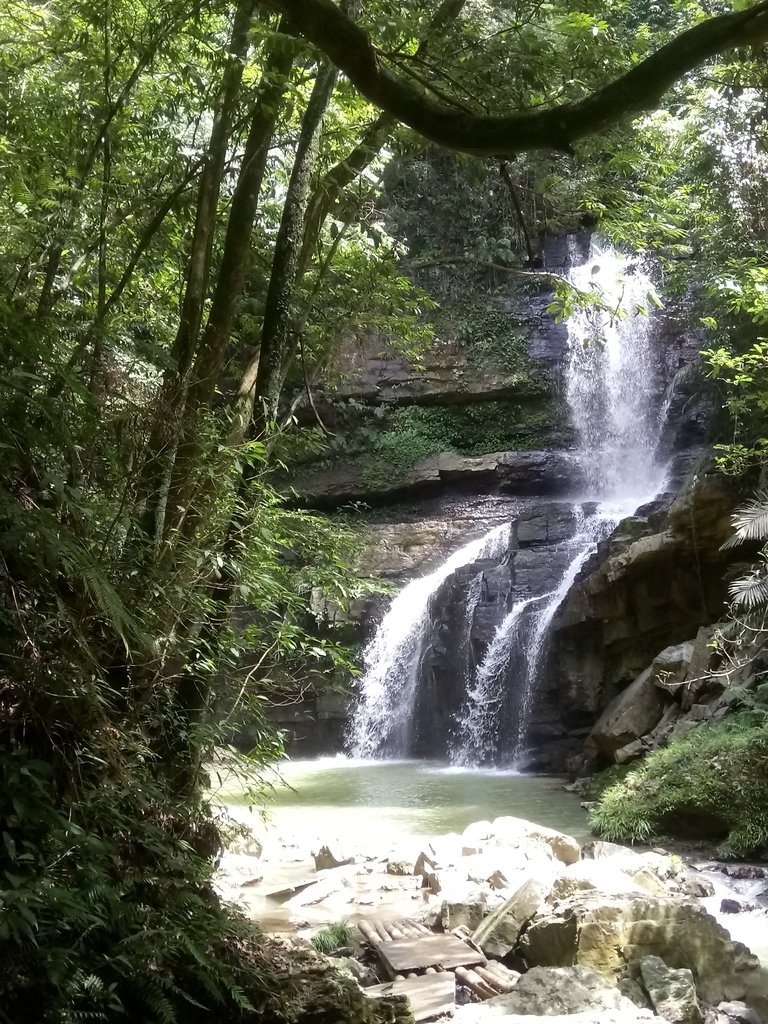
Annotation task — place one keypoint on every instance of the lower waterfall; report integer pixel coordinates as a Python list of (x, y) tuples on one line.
[(382, 721), (614, 394)]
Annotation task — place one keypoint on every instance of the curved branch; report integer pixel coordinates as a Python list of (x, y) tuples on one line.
[(639, 90)]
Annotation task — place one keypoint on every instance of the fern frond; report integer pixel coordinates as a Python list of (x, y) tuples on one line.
[(750, 522), (751, 591), (79, 564)]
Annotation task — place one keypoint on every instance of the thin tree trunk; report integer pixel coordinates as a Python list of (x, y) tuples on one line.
[(286, 260), (213, 347), (161, 448), (507, 179)]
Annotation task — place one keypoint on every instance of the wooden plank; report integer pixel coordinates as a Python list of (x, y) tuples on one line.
[(411, 954), (369, 933), (430, 995)]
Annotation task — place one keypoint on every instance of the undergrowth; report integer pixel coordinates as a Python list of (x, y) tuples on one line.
[(711, 783), (332, 938)]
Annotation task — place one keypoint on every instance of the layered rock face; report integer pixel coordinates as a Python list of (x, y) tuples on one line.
[(654, 585)]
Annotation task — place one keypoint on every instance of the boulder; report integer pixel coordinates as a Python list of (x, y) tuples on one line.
[(639, 866), (672, 991), (475, 836), (401, 867), (670, 667), (465, 912), (497, 935), (635, 712), (739, 1012), (549, 991), (605, 933), (609, 879), (508, 831)]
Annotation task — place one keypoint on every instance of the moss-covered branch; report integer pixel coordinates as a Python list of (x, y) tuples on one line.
[(640, 89)]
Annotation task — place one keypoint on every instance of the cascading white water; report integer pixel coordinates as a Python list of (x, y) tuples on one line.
[(478, 738), (613, 393), (612, 379), (383, 716), (591, 531)]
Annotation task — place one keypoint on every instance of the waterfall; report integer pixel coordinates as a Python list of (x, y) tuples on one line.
[(382, 720), (478, 737), (613, 389), (613, 393), (612, 380)]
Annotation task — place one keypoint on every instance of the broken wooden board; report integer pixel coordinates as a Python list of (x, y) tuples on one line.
[(415, 953), (430, 995)]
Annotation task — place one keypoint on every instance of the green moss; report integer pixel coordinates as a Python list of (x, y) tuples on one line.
[(495, 341), (712, 783), (413, 433)]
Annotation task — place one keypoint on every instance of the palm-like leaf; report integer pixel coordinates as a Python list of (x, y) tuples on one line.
[(750, 522), (751, 591)]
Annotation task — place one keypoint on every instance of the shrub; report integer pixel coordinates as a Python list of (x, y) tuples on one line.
[(712, 783), (333, 938)]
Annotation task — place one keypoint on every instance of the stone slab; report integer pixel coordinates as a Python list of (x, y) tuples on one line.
[(430, 995), (414, 954)]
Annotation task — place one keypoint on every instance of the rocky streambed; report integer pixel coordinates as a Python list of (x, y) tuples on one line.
[(585, 931)]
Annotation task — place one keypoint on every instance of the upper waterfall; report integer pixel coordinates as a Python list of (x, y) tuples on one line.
[(612, 379)]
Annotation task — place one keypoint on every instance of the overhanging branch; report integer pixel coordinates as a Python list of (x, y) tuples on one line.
[(639, 90)]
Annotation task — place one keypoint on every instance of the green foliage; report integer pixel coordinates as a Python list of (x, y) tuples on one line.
[(106, 905), (709, 783), (389, 442), (749, 593), (107, 910), (333, 938), (493, 340)]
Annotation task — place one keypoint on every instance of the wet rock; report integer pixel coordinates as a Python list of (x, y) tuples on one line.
[(497, 935), (467, 912), (695, 885), (424, 864), (401, 867), (324, 859), (739, 1013), (593, 876), (729, 906), (672, 991)]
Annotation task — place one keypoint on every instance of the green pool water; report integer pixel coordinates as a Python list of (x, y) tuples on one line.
[(352, 797)]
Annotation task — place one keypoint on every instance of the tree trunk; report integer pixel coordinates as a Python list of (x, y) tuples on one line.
[(213, 348), (161, 448)]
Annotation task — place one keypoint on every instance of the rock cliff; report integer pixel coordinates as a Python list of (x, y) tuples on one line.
[(421, 446)]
